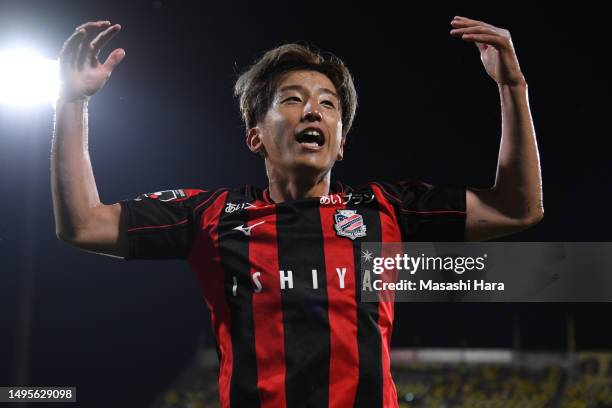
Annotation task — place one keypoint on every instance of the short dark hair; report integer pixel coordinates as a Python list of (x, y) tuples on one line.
[(257, 84)]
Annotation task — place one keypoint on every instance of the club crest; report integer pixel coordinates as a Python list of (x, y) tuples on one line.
[(349, 224)]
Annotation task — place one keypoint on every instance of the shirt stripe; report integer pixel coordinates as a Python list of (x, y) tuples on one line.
[(238, 289), (305, 315), (342, 313), (370, 388), (267, 307), (204, 259), (390, 233)]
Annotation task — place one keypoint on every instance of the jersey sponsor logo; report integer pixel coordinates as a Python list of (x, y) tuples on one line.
[(247, 230), (348, 198), (349, 224), (231, 207), (333, 199), (167, 195)]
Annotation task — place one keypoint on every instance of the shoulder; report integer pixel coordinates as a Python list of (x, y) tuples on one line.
[(418, 195), (389, 189), (175, 196), (181, 199)]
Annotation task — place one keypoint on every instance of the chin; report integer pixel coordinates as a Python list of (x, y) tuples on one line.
[(310, 168)]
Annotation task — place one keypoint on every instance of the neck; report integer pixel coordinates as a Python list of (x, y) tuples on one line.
[(285, 187)]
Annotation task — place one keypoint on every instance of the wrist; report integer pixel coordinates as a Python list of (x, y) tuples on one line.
[(71, 99), (520, 83)]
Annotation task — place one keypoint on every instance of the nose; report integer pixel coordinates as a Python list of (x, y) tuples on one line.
[(311, 110), (312, 115)]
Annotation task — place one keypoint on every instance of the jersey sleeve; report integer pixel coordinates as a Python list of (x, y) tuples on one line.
[(426, 212), (162, 225)]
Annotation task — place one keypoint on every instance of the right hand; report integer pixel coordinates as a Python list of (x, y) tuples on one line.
[(81, 74)]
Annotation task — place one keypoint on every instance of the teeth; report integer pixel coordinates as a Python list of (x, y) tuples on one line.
[(315, 134)]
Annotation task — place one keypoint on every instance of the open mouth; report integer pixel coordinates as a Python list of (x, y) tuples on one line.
[(311, 137)]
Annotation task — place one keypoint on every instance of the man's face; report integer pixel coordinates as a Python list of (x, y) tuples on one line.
[(302, 130)]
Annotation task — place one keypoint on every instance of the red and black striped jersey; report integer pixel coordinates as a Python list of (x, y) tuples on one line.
[(282, 285)]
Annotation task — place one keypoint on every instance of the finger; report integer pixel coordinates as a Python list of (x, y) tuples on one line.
[(467, 22), (493, 40), (91, 24), (70, 47), (85, 51), (460, 23), (466, 19), (458, 32), (114, 59), (103, 38)]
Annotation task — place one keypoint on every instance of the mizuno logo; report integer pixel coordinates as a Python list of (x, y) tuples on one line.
[(247, 230)]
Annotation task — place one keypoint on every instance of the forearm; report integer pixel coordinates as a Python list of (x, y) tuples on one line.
[(518, 183), (72, 181)]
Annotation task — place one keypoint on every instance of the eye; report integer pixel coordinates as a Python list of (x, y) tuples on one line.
[(293, 99), (328, 103)]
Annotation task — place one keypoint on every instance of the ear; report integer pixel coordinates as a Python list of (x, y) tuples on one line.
[(341, 150), (254, 141)]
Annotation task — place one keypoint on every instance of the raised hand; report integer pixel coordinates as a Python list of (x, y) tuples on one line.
[(81, 73), (496, 49)]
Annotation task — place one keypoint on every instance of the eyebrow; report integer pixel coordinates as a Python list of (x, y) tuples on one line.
[(301, 88)]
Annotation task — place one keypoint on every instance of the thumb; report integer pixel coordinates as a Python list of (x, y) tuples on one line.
[(114, 59), (481, 47)]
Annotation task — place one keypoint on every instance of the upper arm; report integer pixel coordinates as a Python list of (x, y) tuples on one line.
[(164, 224), (489, 217), (103, 233), (158, 225)]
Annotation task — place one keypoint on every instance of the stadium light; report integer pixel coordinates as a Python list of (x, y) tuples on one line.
[(27, 78)]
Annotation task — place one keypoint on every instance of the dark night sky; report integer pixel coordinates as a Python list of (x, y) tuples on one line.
[(167, 119)]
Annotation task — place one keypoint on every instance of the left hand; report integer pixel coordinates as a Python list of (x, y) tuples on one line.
[(496, 50)]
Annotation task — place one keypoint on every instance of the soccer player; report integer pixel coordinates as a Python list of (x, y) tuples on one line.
[(277, 266)]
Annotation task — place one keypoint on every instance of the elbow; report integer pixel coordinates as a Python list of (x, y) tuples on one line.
[(68, 236), (64, 235), (540, 215), (72, 230), (527, 214), (533, 219)]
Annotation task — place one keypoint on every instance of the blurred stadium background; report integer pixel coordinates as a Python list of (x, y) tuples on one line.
[(450, 378)]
